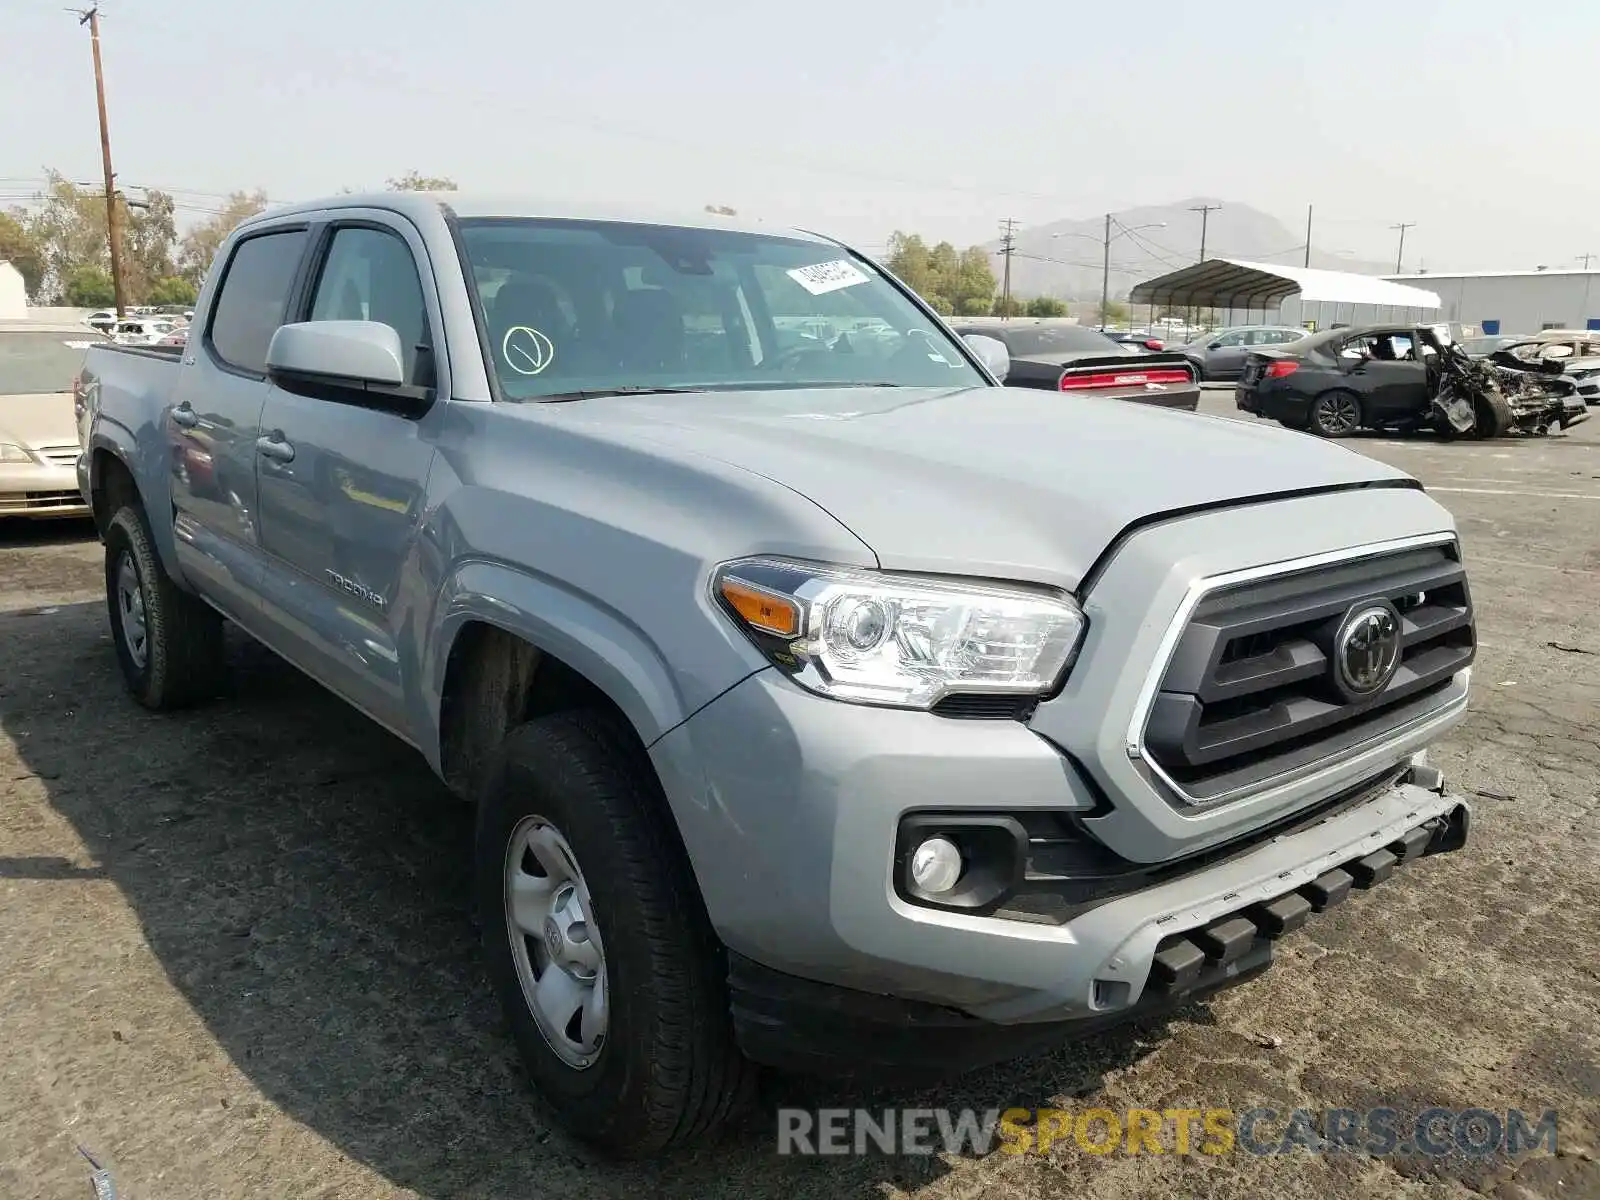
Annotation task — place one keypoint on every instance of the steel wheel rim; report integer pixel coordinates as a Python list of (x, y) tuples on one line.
[(555, 943), (1339, 414), (130, 610)]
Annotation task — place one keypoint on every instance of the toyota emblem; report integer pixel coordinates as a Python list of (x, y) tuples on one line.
[(1366, 651)]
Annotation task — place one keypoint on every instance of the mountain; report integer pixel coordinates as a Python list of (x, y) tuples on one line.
[(1064, 258)]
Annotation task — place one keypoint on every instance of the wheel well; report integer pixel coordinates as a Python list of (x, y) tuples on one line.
[(113, 487), (493, 682)]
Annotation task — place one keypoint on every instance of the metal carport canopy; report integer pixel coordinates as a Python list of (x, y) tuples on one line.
[(1236, 283)]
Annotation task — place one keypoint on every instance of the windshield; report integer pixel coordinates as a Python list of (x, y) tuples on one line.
[(32, 363), (594, 306), (1066, 339)]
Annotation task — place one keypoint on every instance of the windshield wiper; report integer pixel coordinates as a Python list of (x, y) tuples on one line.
[(598, 393)]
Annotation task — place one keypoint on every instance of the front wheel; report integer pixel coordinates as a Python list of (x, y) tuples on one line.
[(169, 643), (1335, 414), (597, 943)]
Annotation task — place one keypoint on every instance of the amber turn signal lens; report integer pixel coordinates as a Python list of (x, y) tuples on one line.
[(761, 609)]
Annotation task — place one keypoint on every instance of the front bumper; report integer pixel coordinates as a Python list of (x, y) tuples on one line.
[(799, 1025), (31, 490), (808, 795)]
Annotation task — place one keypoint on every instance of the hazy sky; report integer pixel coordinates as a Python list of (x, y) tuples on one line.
[(854, 116)]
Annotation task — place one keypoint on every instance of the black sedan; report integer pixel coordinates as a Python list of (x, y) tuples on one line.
[(1334, 383), (1362, 377), (1062, 357)]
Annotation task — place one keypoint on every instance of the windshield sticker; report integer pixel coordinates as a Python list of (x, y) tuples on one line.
[(827, 277), (526, 350)]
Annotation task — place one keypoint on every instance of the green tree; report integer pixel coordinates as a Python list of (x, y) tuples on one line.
[(172, 289), (1046, 306), (203, 240), (909, 259), (1116, 313), (1014, 307), (69, 228), (975, 282), (149, 237), (412, 181), (951, 281), (18, 247), (89, 287)]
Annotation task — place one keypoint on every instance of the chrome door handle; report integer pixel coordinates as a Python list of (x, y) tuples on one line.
[(275, 448), (185, 416)]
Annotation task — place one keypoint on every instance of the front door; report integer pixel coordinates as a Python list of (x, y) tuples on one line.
[(1396, 377), (215, 417), (342, 482)]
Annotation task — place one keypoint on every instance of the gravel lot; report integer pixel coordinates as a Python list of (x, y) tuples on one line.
[(238, 959)]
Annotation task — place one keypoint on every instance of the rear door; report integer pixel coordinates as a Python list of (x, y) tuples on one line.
[(214, 422), (343, 474)]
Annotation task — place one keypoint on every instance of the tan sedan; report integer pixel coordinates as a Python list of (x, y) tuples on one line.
[(39, 365)]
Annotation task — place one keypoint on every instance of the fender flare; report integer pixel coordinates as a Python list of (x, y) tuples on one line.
[(116, 440), (596, 641)]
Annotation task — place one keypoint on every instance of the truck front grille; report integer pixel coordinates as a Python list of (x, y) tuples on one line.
[(1252, 689)]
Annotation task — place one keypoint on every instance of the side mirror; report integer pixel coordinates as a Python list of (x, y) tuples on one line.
[(991, 352), (349, 353), (1214, 346)]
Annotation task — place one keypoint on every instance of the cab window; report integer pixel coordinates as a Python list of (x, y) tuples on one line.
[(370, 275)]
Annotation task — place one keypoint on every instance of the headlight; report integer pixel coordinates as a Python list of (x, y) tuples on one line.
[(904, 640), (14, 454)]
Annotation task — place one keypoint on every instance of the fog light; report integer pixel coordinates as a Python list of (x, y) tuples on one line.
[(935, 866)]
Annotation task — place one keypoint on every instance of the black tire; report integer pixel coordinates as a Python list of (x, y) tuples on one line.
[(1335, 414), (1492, 416), (668, 1071), (180, 660)]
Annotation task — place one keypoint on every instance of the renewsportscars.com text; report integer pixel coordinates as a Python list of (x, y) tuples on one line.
[(1434, 1132)]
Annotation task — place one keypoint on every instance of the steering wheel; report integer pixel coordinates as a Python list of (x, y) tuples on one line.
[(790, 357)]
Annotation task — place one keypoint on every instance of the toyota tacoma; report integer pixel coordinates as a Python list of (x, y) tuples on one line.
[(825, 703)]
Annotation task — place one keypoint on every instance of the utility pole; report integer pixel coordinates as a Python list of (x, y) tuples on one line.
[(1585, 259), (1105, 277), (1205, 211), (1308, 235), (91, 18), (1400, 254), (1008, 241)]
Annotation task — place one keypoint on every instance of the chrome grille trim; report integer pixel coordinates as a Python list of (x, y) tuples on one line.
[(1204, 586)]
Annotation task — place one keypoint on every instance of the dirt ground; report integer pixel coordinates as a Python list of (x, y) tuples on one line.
[(238, 959)]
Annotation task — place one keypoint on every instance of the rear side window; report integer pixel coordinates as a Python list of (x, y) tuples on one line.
[(254, 296)]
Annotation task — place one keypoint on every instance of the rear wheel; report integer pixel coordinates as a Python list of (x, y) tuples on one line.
[(168, 642), (1335, 414), (597, 943)]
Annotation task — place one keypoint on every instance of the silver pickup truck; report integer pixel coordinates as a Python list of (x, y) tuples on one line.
[(826, 703)]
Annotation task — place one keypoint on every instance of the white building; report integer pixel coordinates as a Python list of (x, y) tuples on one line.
[(13, 297), (1514, 301)]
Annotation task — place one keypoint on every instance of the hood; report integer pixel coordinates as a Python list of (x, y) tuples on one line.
[(38, 420), (1009, 483)]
